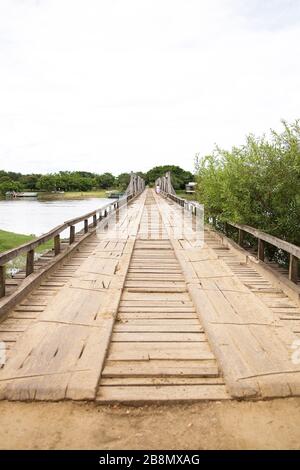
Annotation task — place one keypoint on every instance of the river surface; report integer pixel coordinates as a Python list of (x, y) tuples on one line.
[(31, 216)]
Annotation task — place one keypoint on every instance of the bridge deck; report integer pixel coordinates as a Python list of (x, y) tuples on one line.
[(143, 316)]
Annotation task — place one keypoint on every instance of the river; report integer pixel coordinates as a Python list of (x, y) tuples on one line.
[(32, 216)]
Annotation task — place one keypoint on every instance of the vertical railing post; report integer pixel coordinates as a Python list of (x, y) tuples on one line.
[(241, 237), (95, 220), (86, 225), (226, 229), (2, 281), (57, 245), (30, 262), (261, 250), (293, 268), (72, 234)]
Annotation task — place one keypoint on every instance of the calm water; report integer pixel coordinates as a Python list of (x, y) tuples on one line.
[(33, 216)]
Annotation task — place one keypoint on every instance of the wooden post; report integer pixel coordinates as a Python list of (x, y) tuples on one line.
[(241, 237), (86, 225), (226, 229), (2, 281), (72, 234), (95, 220), (30, 262), (105, 213), (261, 250), (293, 268), (57, 245)]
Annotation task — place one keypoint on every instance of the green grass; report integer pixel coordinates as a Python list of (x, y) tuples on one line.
[(74, 194), (9, 240), (183, 195)]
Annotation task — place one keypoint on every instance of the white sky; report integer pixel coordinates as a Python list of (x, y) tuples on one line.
[(121, 85)]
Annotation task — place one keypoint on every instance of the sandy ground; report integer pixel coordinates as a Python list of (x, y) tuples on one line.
[(216, 425)]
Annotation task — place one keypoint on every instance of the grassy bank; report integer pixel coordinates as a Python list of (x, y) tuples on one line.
[(74, 195), (9, 240), (184, 195)]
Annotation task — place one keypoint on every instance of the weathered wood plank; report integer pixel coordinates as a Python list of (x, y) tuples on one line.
[(161, 368), (164, 393), (169, 336)]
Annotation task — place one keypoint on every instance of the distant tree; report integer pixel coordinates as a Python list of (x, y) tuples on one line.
[(47, 182), (123, 180), (105, 181), (30, 182), (179, 176), (7, 185)]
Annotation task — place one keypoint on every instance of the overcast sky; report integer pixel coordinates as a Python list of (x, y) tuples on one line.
[(121, 85)]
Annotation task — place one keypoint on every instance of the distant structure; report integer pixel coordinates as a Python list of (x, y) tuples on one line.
[(190, 188), (165, 184)]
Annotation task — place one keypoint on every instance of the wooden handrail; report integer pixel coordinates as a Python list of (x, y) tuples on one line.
[(11, 254), (262, 237), (278, 242), (189, 205), (54, 234)]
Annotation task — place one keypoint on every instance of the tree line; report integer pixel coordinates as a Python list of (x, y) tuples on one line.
[(86, 181), (257, 183)]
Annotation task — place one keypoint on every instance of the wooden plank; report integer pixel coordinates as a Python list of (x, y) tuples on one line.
[(169, 336), (166, 289), (165, 328), (157, 308), (162, 368), (159, 315), (175, 380), (156, 303), (165, 393), (163, 350), (158, 322)]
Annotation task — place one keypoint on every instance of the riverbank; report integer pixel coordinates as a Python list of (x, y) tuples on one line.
[(184, 195), (69, 195), (10, 240)]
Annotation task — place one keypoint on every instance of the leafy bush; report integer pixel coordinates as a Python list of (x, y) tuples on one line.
[(256, 184)]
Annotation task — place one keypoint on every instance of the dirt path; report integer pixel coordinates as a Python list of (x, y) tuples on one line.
[(214, 425)]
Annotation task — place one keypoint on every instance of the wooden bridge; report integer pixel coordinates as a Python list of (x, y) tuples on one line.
[(129, 310)]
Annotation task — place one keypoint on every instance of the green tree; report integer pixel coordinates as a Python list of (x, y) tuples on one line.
[(180, 177), (123, 181), (105, 181), (47, 182), (256, 184)]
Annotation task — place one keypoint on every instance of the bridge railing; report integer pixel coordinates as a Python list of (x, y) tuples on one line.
[(292, 250), (55, 234), (167, 190), (96, 215), (262, 238)]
